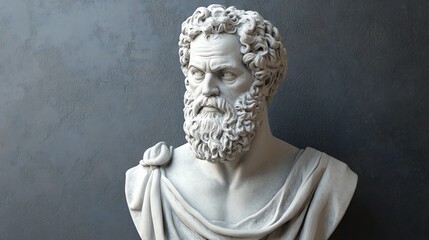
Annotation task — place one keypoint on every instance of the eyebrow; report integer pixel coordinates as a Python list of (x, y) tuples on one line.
[(215, 69), (221, 67), (194, 66)]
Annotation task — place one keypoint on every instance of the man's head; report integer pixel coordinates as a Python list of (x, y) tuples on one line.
[(233, 61)]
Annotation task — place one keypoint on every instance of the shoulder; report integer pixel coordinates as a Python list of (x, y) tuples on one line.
[(337, 176), (337, 173), (181, 155), (333, 169), (136, 178), (333, 192), (156, 156), (182, 163), (340, 180)]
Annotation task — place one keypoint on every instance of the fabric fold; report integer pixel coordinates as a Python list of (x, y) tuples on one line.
[(308, 206)]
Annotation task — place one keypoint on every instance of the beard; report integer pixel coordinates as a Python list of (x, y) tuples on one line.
[(218, 136)]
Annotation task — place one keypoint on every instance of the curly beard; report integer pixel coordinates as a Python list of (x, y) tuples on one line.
[(218, 136)]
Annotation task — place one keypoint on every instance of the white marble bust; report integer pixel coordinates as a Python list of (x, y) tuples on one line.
[(233, 179)]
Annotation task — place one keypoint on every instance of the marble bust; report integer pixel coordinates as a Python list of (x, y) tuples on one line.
[(233, 179)]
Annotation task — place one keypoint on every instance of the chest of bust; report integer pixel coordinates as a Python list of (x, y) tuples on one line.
[(226, 203)]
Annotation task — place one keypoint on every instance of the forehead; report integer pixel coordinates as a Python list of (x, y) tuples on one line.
[(222, 45)]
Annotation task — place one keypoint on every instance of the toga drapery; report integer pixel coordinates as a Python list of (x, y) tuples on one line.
[(308, 206)]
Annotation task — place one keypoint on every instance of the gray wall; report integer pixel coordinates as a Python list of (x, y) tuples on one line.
[(87, 85)]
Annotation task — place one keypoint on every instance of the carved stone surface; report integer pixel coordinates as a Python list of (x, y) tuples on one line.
[(234, 179)]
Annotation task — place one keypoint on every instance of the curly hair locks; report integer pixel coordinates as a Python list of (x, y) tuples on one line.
[(262, 49)]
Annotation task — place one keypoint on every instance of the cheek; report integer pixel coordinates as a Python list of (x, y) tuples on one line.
[(242, 85), (236, 91), (191, 86), (194, 90)]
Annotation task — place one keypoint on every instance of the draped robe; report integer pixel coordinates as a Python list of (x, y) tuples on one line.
[(309, 205)]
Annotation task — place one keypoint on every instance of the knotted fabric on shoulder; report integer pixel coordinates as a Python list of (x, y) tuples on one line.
[(143, 182)]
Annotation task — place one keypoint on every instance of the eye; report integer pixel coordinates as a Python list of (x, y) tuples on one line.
[(228, 76), (197, 74)]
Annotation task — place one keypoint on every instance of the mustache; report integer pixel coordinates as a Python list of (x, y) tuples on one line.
[(214, 102)]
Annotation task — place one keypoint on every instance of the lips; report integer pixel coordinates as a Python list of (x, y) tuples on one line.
[(213, 105), (204, 109)]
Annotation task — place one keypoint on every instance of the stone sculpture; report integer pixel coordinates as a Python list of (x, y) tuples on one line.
[(234, 179)]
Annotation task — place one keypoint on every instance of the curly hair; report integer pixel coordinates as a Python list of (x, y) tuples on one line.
[(262, 49)]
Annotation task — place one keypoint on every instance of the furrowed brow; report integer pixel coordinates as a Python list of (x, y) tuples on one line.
[(220, 67), (193, 65)]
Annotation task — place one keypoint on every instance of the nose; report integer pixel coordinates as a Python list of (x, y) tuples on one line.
[(209, 85)]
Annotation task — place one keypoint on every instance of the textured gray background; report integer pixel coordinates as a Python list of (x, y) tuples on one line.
[(87, 85)]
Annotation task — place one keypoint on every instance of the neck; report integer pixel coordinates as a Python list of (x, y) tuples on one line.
[(245, 164)]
